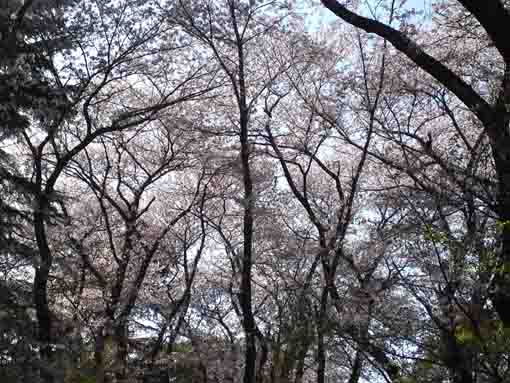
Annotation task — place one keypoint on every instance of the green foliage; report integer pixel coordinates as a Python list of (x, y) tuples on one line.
[(81, 377), (406, 379), (182, 347), (465, 335), (436, 236), (502, 225), (488, 260)]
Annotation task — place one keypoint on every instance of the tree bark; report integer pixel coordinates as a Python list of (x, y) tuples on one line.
[(356, 368), (99, 363), (40, 288), (321, 348), (456, 359), (121, 340), (494, 18), (245, 296)]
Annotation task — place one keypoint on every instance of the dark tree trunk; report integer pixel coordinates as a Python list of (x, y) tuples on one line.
[(121, 339), (457, 358), (500, 289), (245, 296), (41, 296), (321, 349), (301, 356), (99, 358), (356, 368)]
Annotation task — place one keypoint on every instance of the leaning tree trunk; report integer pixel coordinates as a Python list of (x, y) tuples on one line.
[(500, 291)]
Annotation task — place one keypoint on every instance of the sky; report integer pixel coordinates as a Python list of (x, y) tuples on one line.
[(419, 5)]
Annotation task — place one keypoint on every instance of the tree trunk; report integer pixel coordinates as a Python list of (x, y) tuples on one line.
[(40, 293), (245, 297), (300, 360), (456, 358), (99, 362), (321, 350), (500, 289), (356, 368), (261, 378), (121, 352)]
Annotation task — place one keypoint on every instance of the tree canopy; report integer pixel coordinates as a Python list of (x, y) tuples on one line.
[(254, 191)]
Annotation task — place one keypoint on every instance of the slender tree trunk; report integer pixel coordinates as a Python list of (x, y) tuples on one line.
[(40, 292), (121, 339), (300, 370), (321, 348), (261, 378), (245, 296), (457, 359), (364, 338), (246, 288), (286, 364), (356, 368), (300, 360), (275, 361), (99, 363)]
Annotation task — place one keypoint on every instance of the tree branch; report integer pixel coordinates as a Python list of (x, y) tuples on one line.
[(429, 64)]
